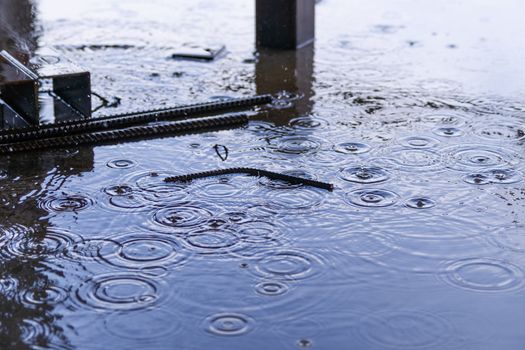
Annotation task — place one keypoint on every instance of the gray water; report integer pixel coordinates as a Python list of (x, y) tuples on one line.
[(413, 109)]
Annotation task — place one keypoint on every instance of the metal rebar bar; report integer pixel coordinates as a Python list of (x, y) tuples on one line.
[(125, 120), (253, 172), (183, 126)]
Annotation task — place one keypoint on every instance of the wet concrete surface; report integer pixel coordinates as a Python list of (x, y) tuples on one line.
[(414, 110)]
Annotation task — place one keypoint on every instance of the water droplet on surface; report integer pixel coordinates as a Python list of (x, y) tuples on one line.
[(496, 176), (152, 187), (364, 175), (484, 275), (118, 190), (66, 203), (305, 343), (221, 188), (477, 179), (448, 131), (473, 157), (51, 295), (118, 291), (296, 145), (420, 203), (209, 241), (53, 243), (181, 217), (272, 288), (34, 332), (128, 203), (121, 164), (141, 250), (229, 324), (307, 123), (372, 198), (288, 265), (419, 142), (352, 148), (411, 160)]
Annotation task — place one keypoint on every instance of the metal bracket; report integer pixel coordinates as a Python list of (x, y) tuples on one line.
[(19, 88), (49, 88), (69, 82), (9, 119)]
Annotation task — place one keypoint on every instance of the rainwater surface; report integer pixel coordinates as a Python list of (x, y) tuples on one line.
[(414, 110)]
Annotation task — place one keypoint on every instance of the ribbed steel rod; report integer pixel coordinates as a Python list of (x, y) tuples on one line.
[(126, 120), (253, 172), (183, 126), (205, 107)]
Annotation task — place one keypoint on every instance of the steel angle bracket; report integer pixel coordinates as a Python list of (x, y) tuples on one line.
[(47, 86), (9, 119), (18, 89), (69, 82)]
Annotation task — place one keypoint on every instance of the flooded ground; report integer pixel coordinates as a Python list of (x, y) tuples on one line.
[(413, 109)]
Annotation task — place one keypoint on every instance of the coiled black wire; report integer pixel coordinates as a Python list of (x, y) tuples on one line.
[(183, 126), (253, 172)]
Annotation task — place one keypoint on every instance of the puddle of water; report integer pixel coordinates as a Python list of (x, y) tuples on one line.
[(418, 122)]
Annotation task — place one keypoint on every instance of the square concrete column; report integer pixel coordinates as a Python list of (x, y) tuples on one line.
[(285, 24)]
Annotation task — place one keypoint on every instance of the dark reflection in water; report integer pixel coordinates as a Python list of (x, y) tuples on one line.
[(419, 247), (289, 75), (30, 281), (33, 283)]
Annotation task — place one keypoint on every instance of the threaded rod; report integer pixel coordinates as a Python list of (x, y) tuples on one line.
[(125, 120), (253, 172), (137, 132)]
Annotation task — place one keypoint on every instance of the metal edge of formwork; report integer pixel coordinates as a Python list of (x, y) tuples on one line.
[(21, 95)]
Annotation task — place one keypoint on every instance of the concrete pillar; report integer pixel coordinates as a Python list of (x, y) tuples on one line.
[(285, 24)]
